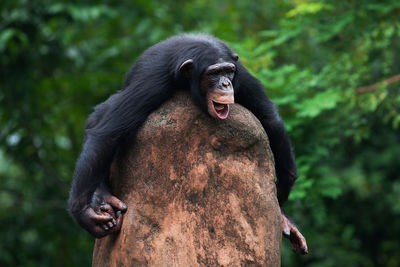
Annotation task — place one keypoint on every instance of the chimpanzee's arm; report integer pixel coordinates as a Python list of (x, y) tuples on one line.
[(95, 211), (250, 93), (91, 202)]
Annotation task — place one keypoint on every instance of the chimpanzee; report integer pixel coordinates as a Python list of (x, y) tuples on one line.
[(213, 74)]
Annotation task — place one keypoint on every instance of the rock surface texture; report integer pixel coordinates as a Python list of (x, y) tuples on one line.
[(200, 192)]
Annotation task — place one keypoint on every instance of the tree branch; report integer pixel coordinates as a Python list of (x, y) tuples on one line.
[(373, 87)]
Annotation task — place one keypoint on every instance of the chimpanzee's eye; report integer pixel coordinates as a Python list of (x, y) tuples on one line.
[(230, 75), (213, 72)]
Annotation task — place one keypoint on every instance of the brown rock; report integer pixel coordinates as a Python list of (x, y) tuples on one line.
[(200, 192)]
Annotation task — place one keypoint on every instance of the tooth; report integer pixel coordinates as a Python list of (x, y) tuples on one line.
[(219, 107)]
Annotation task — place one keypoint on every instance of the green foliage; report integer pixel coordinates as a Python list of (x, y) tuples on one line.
[(59, 58)]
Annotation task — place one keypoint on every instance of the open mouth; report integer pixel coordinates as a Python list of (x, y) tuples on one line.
[(221, 110)]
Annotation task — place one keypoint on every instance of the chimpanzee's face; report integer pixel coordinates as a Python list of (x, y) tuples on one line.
[(216, 85)]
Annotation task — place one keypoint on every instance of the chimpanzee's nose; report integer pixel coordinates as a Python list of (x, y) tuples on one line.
[(225, 83)]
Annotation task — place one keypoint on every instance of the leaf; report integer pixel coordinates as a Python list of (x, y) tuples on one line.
[(308, 8), (8, 34), (301, 188), (333, 29), (323, 101)]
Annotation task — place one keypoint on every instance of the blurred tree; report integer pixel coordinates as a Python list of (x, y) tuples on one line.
[(59, 58)]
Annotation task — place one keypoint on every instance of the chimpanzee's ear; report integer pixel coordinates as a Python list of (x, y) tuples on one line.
[(186, 68)]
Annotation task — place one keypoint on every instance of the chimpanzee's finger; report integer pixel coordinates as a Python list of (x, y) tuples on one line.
[(285, 227), (297, 238), (119, 221), (116, 203), (98, 217), (105, 207)]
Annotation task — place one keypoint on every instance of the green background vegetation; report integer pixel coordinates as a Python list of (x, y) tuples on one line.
[(59, 58)]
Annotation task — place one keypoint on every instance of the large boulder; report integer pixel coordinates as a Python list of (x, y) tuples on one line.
[(200, 192)]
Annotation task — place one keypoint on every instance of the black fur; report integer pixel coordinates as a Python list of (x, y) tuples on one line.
[(149, 83)]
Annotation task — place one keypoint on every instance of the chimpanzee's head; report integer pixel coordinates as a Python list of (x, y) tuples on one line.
[(213, 84)]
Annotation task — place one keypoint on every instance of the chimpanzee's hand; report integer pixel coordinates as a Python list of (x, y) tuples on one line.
[(104, 215), (291, 232)]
